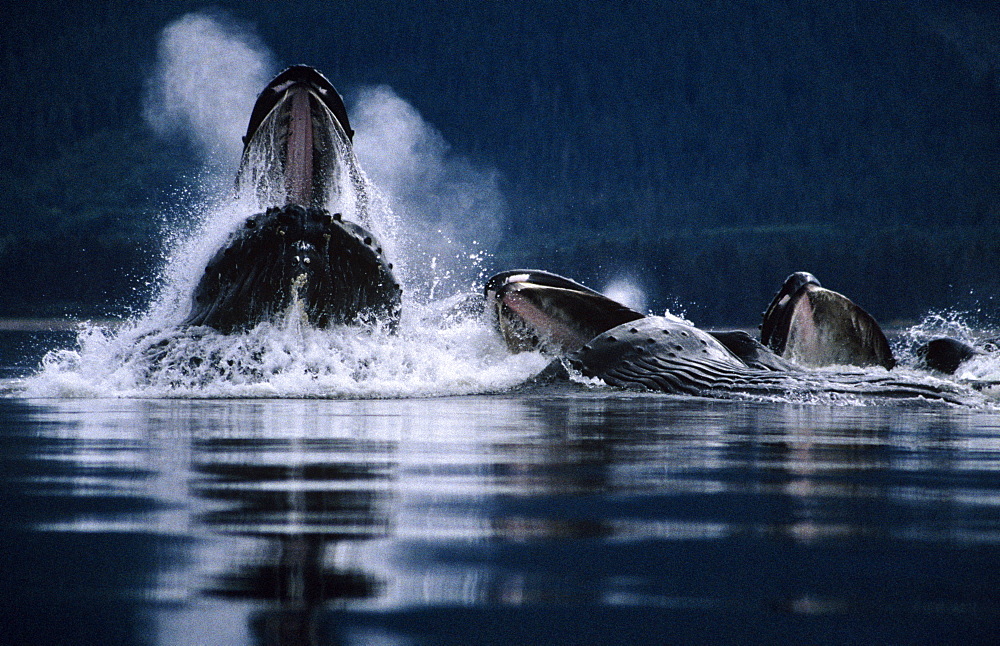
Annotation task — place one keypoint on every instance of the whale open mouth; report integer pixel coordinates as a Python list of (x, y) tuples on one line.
[(539, 309), (297, 149), (298, 160), (814, 326)]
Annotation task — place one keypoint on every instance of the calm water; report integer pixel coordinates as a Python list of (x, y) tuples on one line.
[(545, 517)]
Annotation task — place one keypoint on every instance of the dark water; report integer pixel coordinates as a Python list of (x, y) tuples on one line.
[(541, 518), (22, 350)]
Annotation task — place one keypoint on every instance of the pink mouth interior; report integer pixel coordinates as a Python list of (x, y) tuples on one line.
[(542, 324), (299, 161)]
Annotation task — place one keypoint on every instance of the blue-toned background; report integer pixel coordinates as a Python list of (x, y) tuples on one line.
[(701, 151)]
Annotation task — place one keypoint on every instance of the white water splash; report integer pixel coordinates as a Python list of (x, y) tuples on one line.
[(953, 324), (441, 347), (287, 359), (204, 88), (208, 74), (967, 327), (453, 212)]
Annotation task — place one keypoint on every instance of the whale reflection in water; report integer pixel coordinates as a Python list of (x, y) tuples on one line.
[(300, 522)]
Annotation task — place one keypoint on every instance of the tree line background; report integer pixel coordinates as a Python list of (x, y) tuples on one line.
[(704, 149)]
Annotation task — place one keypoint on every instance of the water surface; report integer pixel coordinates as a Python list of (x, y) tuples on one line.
[(548, 516)]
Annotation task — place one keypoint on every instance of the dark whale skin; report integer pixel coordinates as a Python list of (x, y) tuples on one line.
[(336, 270)]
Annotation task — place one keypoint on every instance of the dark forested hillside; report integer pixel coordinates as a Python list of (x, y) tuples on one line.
[(706, 148)]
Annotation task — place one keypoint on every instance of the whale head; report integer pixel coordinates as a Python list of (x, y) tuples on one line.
[(311, 245), (814, 326), (538, 309)]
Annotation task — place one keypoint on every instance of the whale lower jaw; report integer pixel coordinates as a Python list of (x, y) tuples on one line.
[(333, 269)]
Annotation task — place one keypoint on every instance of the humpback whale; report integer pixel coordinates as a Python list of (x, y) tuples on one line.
[(945, 354), (536, 309), (814, 326), (298, 162), (311, 247)]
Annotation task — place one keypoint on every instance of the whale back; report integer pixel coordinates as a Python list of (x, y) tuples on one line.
[(945, 354), (657, 353), (666, 355)]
